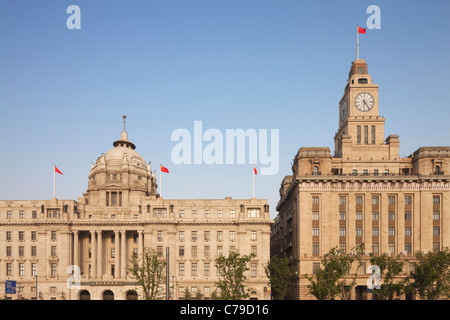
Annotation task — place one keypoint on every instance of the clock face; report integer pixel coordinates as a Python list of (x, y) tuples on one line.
[(344, 110), (364, 101)]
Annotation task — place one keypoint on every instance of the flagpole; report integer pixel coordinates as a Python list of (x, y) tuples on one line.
[(253, 181), (357, 42), (160, 181), (54, 181)]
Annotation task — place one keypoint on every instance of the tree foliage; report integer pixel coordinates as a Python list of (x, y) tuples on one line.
[(431, 277), (334, 278), (150, 274), (280, 272), (390, 268), (232, 276)]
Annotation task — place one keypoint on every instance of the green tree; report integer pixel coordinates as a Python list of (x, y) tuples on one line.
[(390, 268), (431, 277), (335, 279), (280, 273), (150, 274), (232, 276)]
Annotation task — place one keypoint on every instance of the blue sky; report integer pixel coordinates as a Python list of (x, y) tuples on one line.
[(262, 64)]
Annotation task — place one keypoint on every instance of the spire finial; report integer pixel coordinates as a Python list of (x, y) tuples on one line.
[(124, 117)]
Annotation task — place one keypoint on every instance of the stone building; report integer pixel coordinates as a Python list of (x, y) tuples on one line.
[(50, 242), (364, 193)]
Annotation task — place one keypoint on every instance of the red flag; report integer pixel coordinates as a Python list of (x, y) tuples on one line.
[(254, 170), (361, 30), (57, 170), (164, 169)]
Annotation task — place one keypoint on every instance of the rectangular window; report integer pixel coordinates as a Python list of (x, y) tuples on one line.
[(206, 271), (375, 172), (408, 200), (315, 215), (232, 235), (391, 199), (181, 235), (375, 215), (253, 269), (194, 269), (366, 134), (373, 134), (391, 232), (408, 215), (219, 235), (342, 201), (315, 248), (315, 200), (8, 269), (375, 232), (253, 235), (375, 200), (21, 236), (181, 269), (436, 215), (194, 251), (375, 248), (436, 231), (21, 269), (21, 214), (194, 214), (358, 134), (206, 213), (343, 247), (114, 199), (181, 213), (159, 235), (391, 215), (407, 231), (436, 200), (232, 214), (315, 231), (207, 235), (219, 213), (53, 269), (207, 251), (359, 231), (9, 214), (359, 200), (181, 251), (408, 247), (194, 235), (342, 232), (359, 215)]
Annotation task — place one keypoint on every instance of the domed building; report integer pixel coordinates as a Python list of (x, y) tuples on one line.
[(81, 250)]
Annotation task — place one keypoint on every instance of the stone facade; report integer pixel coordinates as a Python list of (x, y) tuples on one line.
[(120, 214), (364, 193)]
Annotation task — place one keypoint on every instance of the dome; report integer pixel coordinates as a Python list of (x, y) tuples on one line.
[(123, 151)]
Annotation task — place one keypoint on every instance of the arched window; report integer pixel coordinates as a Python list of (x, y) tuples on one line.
[(315, 170), (437, 170)]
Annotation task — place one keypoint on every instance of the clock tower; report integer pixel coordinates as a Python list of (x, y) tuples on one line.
[(360, 125)]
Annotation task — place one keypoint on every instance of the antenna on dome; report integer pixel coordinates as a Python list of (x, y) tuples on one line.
[(124, 117)]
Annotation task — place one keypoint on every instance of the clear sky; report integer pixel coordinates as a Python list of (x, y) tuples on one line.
[(250, 64)]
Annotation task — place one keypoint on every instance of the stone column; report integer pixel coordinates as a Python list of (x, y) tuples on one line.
[(123, 254), (117, 255), (76, 252), (99, 254), (93, 255), (141, 247)]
